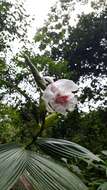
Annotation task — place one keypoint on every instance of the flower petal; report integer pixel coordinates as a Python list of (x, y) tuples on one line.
[(48, 94), (58, 96), (72, 103), (66, 85), (58, 108)]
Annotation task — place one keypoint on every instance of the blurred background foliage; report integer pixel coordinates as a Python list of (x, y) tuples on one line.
[(73, 49)]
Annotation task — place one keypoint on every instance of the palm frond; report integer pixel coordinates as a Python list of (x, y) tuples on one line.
[(12, 165), (48, 175), (65, 149), (103, 186), (41, 172)]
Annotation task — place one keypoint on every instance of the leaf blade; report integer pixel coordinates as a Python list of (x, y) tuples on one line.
[(12, 165), (66, 149), (52, 176)]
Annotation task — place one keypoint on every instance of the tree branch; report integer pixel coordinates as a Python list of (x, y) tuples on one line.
[(11, 85), (38, 79)]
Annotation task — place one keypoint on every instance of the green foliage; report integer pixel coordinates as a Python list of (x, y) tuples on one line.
[(13, 25), (65, 149), (51, 120), (66, 52), (9, 123), (40, 171), (13, 22), (103, 186), (89, 130), (87, 57), (81, 48), (50, 67)]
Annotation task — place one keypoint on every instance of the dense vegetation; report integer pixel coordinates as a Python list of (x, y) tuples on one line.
[(77, 52)]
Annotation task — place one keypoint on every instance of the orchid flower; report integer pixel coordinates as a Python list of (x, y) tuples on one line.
[(59, 96)]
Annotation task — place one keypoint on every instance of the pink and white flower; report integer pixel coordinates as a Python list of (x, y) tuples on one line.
[(59, 96)]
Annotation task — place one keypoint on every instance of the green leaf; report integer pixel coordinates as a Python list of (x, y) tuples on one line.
[(41, 172), (103, 186), (51, 120), (12, 165), (48, 175), (65, 149), (104, 152)]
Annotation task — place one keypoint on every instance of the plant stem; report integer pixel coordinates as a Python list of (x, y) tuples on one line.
[(38, 79)]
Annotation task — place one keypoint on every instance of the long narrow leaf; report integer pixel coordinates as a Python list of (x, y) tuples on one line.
[(65, 149)]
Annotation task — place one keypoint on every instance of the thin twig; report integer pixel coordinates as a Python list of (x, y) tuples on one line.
[(11, 85)]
